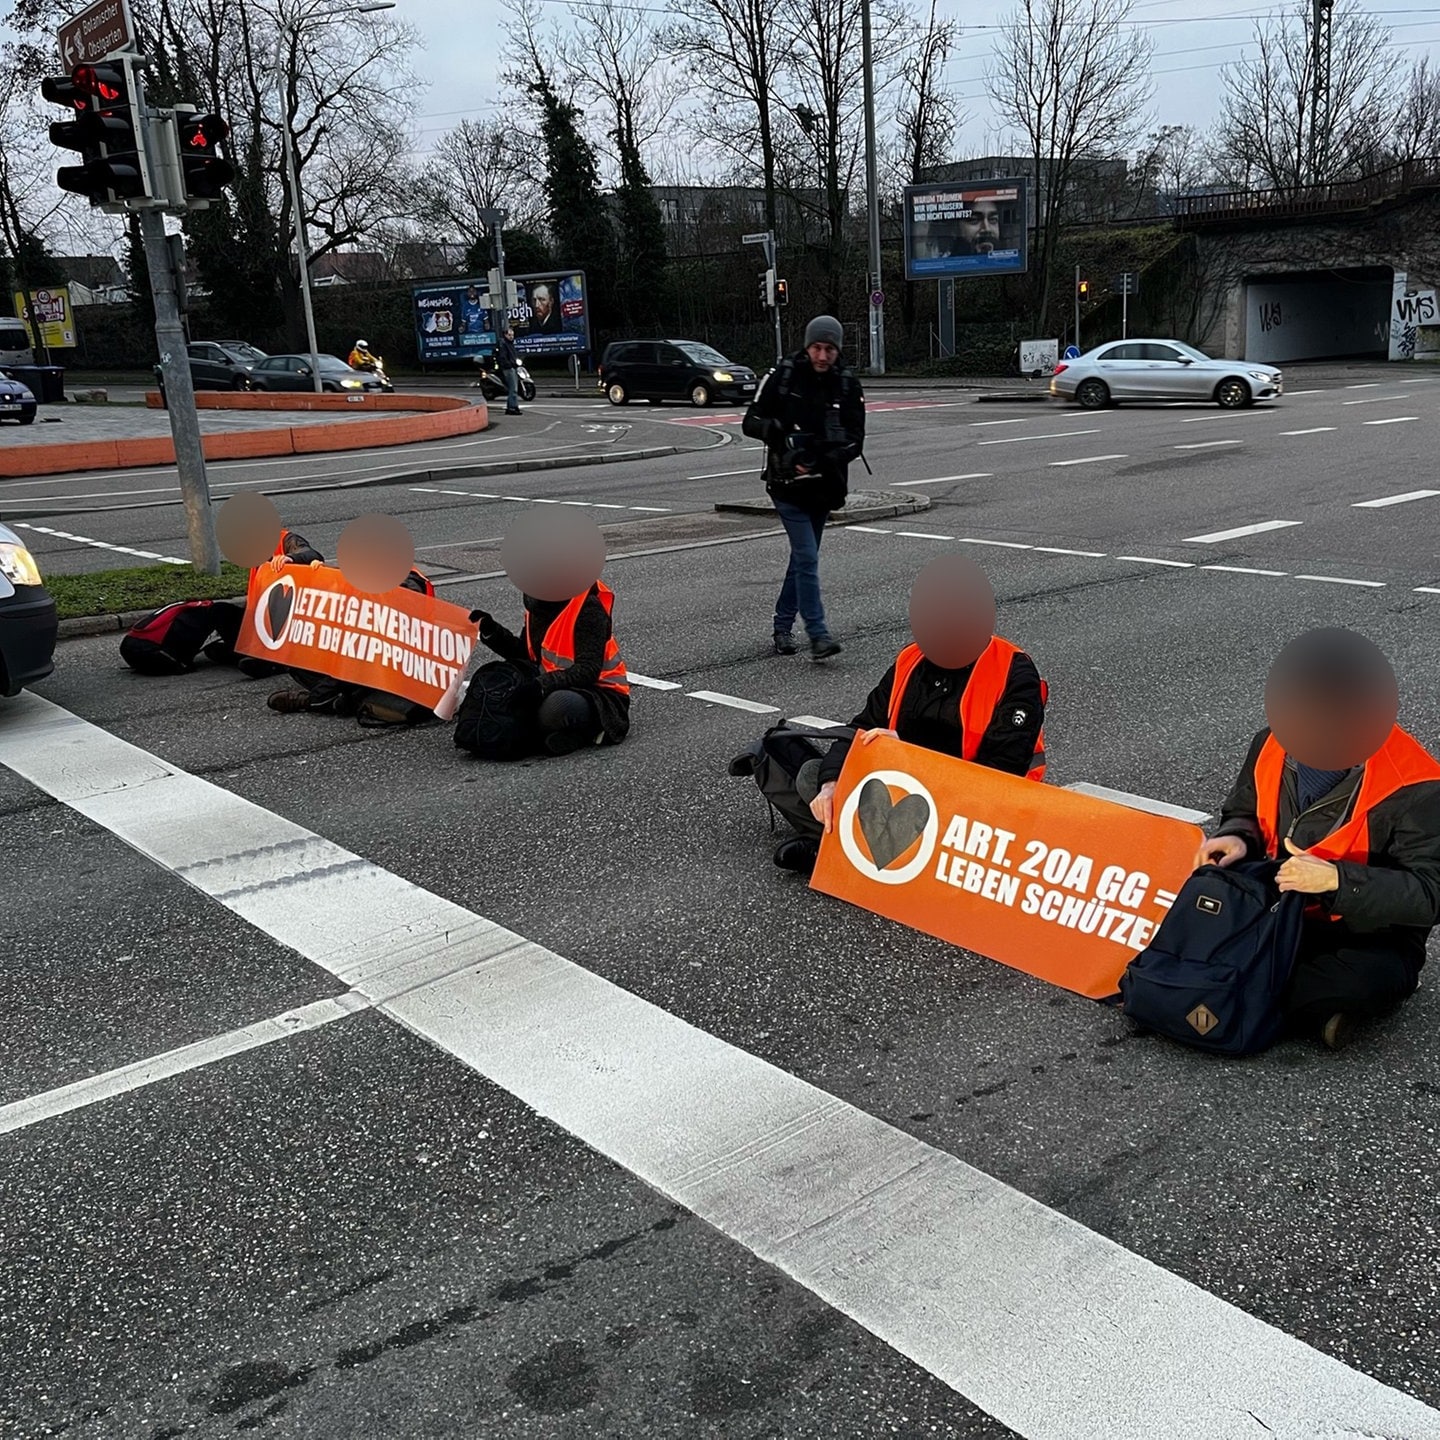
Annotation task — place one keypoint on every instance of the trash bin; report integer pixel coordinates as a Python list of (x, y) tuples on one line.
[(46, 382)]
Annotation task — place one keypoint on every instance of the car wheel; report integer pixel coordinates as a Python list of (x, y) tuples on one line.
[(616, 393), (1093, 394), (1233, 394), (699, 394)]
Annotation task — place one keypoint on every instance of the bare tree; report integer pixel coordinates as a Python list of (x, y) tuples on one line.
[(927, 114), (1268, 131), (1173, 160), (1415, 133), (1068, 73), (482, 165)]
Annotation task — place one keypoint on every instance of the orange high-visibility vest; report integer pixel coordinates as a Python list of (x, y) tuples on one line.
[(425, 581), (557, 649), (981, 698), (1402, 760)]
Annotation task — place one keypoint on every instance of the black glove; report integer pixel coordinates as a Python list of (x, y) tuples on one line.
[(526, 696)]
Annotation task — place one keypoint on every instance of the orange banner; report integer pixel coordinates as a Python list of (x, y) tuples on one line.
[(401, 642), (1063, 886)]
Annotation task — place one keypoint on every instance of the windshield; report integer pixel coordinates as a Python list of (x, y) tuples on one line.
[(248, 353), (702, 354)]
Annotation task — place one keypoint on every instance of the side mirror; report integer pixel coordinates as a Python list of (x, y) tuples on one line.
[(305, 370), (1186, 360)]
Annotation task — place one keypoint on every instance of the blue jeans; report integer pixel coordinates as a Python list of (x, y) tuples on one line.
[(801, 590), (512, 388)]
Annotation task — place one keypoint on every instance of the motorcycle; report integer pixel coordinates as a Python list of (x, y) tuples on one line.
[(491, 383), (376, 368)]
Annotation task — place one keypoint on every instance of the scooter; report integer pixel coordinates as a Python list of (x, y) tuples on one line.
[(491, 383)]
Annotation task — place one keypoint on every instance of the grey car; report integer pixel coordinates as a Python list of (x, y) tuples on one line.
[(292, 372), (1162, 370)]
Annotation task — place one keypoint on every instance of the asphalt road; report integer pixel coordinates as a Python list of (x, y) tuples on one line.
[(434, 1217)]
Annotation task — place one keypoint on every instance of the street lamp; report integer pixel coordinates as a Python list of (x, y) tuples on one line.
[(290, 29)]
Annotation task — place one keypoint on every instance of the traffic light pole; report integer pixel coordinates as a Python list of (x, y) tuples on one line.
[(872, 187), (180, 396), (1077, 310)]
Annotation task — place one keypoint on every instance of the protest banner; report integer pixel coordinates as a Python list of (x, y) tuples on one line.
[(312, 618), (1063, 886)]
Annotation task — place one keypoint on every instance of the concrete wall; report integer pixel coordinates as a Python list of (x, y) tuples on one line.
[(1312, 319)]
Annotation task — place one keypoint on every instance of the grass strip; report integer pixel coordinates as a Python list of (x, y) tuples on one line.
[(145, 587)]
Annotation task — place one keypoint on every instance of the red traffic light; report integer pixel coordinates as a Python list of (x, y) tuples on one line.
[(101, 82), (202, 132)]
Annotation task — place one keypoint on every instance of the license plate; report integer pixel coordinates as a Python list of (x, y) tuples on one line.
[(8, 405), (747, 387)]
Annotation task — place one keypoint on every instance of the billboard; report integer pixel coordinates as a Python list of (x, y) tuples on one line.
[(51, 314), (965, 229), (454, 319)]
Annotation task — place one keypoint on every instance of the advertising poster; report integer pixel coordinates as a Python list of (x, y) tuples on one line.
[(550, 315), (455, 320), (965, 230), (52, 313)]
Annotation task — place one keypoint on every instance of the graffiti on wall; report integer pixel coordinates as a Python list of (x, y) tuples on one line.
[(1412, 310)]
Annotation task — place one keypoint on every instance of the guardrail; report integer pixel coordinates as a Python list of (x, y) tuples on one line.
[(1302, 200)]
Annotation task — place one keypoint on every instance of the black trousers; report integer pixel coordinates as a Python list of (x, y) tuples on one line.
[(567, 720), (1340, 972)]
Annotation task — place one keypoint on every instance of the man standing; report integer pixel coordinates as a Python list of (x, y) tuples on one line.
[(810, 414), (507, 360)]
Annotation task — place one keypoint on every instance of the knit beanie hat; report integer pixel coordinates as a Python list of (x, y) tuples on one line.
[(825, 330)]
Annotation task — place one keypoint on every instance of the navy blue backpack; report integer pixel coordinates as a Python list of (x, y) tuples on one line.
[(1214, 973)]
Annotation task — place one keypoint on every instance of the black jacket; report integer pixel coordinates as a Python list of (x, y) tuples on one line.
[(507, 357), (592, 632), (1397, 894), (930, 717), (826, 415)]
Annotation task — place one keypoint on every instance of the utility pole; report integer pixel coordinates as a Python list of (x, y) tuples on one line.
[(1077, 307), (872, 188), (1320, 46)]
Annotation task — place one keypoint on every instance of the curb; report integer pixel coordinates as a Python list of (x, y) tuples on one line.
[(877, 507)]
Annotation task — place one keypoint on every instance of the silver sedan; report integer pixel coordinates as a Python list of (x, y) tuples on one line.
[(1162, 370)]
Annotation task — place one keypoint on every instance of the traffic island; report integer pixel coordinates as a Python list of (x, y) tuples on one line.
[(861, 507)]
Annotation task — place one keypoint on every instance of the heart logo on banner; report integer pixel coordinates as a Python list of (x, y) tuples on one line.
[(277, 610), (890, 827)]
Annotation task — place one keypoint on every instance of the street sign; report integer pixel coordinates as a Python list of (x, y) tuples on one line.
[(1072, 352), (1126, 284), (760, 237), (877, 298), (95, 33)]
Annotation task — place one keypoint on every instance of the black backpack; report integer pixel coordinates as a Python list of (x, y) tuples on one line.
[(1214, 973), (486, 723), (167, 641), (774, 760)]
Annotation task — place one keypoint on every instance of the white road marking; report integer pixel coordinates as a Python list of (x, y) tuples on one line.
[(1209, 444), (1292, 393), (943, 479), (532, 500), (1385, 500), (716, 697), (1339, 580), (1423, 380), (981, 424), (1150, 560), (1365, 385), (1089, 460), (1056, 550), (922, 535), (1316, 430), (1239, 533), (1393, 420), (1427, 590), (1140, 802), (722, 474), (1245, 570), (99, 544), (816, 722), (1375, 400), (121, 1081), (1025, 439), (650, 684), (982, 1286), (868, 530), (998, 544)]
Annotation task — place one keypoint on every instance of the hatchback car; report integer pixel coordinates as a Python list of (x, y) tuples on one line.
[(1162, 370), (28, 623), (222, 364), (17, 401), (292, 372), (659, 370)]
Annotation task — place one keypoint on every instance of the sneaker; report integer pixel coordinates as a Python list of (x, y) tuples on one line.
[(514, 412), (565, 742), (799, 853), (288, 701), (784, 643), (1338, 1032), (824, 648)]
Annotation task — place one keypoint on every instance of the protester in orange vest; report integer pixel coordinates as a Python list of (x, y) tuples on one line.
[(959, 689), (1353, 801)]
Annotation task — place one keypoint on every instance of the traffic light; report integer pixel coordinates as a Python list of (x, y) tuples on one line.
[(206, 171), (106, 131), (782, 292), (767, 289), (1082, 289)]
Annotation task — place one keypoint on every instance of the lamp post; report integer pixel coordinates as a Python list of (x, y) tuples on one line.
[(289, 41), (872, 187)]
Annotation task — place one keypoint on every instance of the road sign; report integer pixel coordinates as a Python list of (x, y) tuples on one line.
[(1126, 284), (877, 298), (95, 33), (1072, 352), (760, 237)]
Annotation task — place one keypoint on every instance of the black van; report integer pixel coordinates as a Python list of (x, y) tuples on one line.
[(657, 370)]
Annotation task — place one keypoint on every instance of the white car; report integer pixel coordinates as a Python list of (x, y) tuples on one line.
[(1162, 370)]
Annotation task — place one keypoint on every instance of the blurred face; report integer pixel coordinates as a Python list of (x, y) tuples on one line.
[(375, 553), (1331, 699), (248, 529), (553, 556), (981, 229), (952, 611), (822, 354)]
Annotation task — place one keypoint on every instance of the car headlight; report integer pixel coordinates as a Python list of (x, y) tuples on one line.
[(353, 384), (1265, 375), (723, 375), (18, 565)]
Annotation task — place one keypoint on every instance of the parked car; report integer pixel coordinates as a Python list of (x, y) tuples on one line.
[(659, 370), (292, 372), (1162, 370), (28, 623), (222, 364), (15, 342), (17, 401)]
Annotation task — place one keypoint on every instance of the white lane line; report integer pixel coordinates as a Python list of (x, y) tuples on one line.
[(1314, 430), (126, 1078), (1089, 460), (922, 535), (1339, 580), (1057, 550), (723, 474), (1423, 380), (1150, 560), (1426, 590), (869, 530), (716, 697), (1240, 532), (1365, 385), (1292, 393), (652, 509), (100, 544), (1140, 802), (816, 722), (983, 424), (998, 544), (1025, 439), (651, 684), (1375, 400), (529, 500), (1385, 500), (1245, 570), (1209, 444), (942, 479), (1393, 420), (953, 1269)]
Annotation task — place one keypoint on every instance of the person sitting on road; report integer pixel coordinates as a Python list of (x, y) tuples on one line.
[(361, 358), (1351, 803), (292, 548), (959, 689)]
